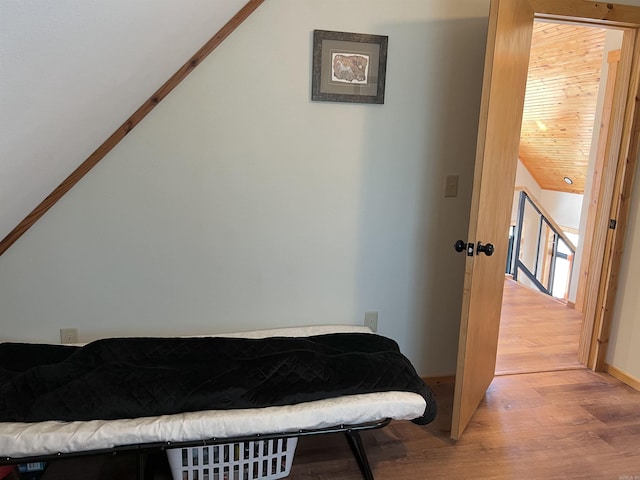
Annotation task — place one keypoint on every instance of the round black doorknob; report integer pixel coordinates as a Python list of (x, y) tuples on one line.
[(460, 246), (488, 249)]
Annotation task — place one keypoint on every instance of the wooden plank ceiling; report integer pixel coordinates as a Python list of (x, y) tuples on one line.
[(560, 104)]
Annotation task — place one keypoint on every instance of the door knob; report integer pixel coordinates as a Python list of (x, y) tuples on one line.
[(460, 246), (488, 249)]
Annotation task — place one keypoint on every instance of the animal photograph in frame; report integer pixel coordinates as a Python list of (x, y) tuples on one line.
[(348, 67)]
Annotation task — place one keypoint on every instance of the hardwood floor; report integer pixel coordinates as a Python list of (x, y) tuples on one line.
[(552, 425), (537, 332), (544, 416)]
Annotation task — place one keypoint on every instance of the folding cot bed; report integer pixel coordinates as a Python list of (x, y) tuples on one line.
[(136, 394)]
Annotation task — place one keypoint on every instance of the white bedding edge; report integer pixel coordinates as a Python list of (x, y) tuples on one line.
[(52, 437)]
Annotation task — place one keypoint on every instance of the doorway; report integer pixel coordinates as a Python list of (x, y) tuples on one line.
[(565, 101), (506, 63)]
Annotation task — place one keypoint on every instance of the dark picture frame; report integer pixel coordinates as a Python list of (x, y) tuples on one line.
[(348, 67)]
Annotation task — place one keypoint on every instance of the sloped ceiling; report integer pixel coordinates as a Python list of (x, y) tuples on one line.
[(560, 104), (72, 71)]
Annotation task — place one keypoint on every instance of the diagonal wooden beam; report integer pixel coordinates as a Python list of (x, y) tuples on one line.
[(129, 124)]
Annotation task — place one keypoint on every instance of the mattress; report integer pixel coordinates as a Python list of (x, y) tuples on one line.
[(19, 439)]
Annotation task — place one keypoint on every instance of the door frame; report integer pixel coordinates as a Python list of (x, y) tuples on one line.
[(621, 181), (593, 268), (621, 154), (613, 61)]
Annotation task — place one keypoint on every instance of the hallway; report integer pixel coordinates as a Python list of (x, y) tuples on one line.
[(537, 333)]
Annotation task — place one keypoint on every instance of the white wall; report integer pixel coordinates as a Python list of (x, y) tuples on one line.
[(563, 207), (523, 179), (239, 203), (72, 71), (623, 352)]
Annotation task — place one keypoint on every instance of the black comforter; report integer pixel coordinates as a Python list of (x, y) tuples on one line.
[(141, 377)]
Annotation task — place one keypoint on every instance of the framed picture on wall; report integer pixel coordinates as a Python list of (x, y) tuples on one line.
[(348, 67)]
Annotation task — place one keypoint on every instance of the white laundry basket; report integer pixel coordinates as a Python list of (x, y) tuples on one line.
[(252, 460)]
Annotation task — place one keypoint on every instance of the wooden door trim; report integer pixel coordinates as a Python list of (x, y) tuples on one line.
[(122, 131), (602, 204), (619, 213), (585, 11), (613, 59)]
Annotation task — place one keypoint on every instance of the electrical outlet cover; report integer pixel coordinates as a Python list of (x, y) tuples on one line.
[(68, 335), (371, 320)]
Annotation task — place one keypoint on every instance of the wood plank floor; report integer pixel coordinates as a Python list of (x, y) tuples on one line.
[(537, 332), (544, 417), (553, 425)]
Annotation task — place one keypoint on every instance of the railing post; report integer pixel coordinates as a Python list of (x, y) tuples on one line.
[(518, 234)]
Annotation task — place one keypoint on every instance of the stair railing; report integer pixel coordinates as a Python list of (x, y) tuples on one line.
[(537, 260)]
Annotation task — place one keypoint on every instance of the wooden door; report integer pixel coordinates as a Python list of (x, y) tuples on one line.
[(506, 62), (504, 83)]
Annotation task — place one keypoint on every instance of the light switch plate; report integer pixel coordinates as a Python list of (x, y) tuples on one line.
[(451, 186)]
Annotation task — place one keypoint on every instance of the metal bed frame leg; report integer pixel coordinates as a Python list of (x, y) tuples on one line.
[(142, 466), (355, 442)]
